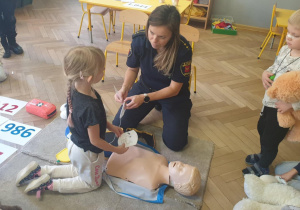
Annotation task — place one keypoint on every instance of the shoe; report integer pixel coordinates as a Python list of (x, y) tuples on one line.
[(252, 159), (7, 53), (31, 171), (40, 184), (257, 170), (17, 49)]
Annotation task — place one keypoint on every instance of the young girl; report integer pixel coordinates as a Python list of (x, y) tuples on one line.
[(83, 67), (271, 134)]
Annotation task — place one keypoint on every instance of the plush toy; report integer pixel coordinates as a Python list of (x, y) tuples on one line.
[(286, 88), (266, 193)]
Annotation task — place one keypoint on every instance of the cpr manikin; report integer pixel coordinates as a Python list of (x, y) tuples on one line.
[(150, 170)]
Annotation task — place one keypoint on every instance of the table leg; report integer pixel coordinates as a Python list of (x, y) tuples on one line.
[(89, 6), (281, 40)]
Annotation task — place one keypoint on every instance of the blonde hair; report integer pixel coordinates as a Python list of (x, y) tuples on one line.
[(295, 19), (79, 62), (168, 16), (192, 186)]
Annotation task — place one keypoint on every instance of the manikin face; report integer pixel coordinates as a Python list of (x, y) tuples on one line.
[(159, 36), (180, 172), (293, 37)]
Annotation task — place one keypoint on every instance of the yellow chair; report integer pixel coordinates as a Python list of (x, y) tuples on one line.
[(192, 35), (94, 11), (134, 17), (274, 31)]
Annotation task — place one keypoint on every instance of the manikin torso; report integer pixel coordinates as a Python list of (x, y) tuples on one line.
[(139, 166)]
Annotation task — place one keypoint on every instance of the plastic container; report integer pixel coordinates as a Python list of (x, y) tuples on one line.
[(203, 2), (226, 19)]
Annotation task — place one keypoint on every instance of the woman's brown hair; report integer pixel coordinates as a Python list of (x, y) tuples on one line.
[(166, 15)]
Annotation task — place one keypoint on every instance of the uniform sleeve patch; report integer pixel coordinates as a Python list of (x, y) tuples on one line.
[(129, 53), (185, 68)]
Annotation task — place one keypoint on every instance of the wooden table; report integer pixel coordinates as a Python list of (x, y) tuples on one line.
[(282, 17), (117, 4)]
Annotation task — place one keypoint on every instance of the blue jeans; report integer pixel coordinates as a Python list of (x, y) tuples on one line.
[(285, 167)]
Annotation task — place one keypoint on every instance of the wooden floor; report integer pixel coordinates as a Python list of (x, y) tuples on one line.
[(225, 108)]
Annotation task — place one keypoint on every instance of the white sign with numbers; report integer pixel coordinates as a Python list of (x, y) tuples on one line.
[(5, 152), (3, 120), (138, 6), (16, 132), (10, 106)]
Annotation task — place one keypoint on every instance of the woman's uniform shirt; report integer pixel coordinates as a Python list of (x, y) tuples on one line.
[(142, 55)]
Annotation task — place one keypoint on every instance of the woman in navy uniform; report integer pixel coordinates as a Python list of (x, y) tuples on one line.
[(164, 57)]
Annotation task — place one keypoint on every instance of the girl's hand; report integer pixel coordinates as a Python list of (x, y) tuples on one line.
[(121, 95), (267, 82), (134, 101), (283, 107), (121, 149), (289, 175), (116, 129)]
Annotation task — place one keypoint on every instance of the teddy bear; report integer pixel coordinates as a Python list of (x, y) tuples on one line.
[(267, 193), (286, 88)]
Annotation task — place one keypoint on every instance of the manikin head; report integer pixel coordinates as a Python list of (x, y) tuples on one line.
[(185, 178)]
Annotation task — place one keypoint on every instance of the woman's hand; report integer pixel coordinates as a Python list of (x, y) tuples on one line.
[(267, 82), (135, 101), (283, 107), (289, 175), (121, 95), (121, 149)]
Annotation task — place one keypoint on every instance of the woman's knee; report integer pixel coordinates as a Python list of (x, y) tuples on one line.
[(175, 142)]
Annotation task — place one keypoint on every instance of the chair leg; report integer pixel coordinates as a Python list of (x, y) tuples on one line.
[(105, 56), (195, 79), (265, 40), (80, 25), (272, 42), (114, 21), (117, 59), (104, 28), (110, 21), (264, 46), (281, 41)]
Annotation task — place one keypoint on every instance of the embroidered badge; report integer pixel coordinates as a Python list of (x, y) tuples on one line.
[(129, 53), (185, 68)]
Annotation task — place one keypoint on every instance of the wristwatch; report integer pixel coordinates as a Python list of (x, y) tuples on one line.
[(146, 98)]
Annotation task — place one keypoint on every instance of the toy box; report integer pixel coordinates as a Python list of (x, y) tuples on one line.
[(227, 20), (41, 108)]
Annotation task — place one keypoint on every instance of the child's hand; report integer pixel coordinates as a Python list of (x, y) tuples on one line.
[(121, 149), (289, 175), (283, 107), (117, 130), (267, 82)]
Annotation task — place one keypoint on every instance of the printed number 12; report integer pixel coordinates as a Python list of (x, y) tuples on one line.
[(8, 110)]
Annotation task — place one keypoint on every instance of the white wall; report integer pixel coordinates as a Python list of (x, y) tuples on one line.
[(255, 13)]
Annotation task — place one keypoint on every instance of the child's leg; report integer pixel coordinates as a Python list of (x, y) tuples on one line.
[(271, 134), (61, 171), (88, 165), (270, 139)]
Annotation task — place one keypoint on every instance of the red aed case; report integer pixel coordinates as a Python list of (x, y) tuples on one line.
[(41, 108)]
